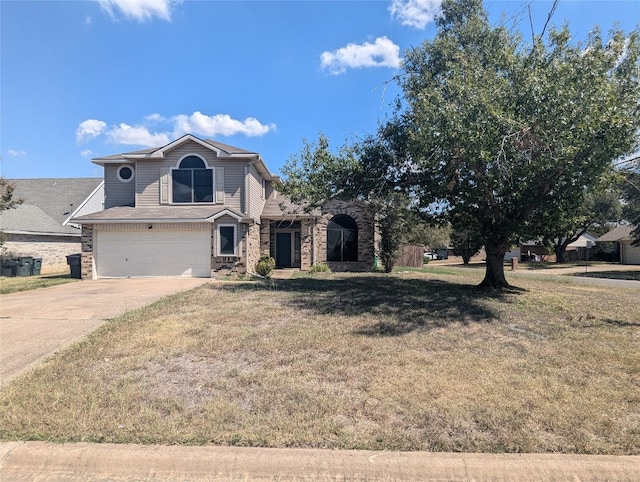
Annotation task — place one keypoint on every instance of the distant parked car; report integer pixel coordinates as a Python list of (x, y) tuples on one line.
[(429, 256)]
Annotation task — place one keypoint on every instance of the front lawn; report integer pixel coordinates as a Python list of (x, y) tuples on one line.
[(408, 361), (24, 283)]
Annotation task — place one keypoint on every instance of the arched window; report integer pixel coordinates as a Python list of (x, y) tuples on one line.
[(342, 239), (192, 181)]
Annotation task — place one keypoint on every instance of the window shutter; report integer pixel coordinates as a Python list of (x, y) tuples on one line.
[(164, 185), (220, 185)]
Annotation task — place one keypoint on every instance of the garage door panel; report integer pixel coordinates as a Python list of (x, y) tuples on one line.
[(149, 253)]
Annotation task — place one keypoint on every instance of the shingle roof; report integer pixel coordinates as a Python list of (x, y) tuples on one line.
[(170, 214), (47, 203), (280, 206), (620, 233), (215, 144)]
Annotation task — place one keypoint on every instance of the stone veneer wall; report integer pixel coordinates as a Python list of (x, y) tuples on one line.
[(265, 238), (306, 244), (254, 247), (367, 238), (86, 261), (52, 249)]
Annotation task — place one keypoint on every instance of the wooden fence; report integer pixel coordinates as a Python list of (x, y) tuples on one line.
[(412, 256)]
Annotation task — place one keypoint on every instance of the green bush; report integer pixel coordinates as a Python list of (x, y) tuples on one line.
[(265, 265), (320, 268)]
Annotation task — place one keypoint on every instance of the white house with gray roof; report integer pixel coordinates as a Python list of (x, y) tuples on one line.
[(629, 254), (195, 206), (41, 226)]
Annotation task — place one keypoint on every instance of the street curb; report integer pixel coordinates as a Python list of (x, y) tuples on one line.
[(87, 462)]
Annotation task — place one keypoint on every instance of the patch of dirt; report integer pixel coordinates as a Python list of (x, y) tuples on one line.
[(191, 379)]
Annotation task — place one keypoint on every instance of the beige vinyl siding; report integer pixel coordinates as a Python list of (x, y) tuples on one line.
[(271, 189), (162, 226), (118, 193), (233, 186), (151, 171), (256, 199), (148, 183)]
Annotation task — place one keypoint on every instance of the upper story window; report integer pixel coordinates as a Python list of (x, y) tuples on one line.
[(192, 181), (342, 239), (125, 173)]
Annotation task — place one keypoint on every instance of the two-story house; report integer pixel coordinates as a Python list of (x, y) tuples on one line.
[(197, 206)]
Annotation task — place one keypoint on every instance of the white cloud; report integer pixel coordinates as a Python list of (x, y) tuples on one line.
[(155, 118), (176, 126), (136, 136), (219, 124), (415, 13), (86, 153), (140, 10), (89, 129), (382, 53), (14, 153)]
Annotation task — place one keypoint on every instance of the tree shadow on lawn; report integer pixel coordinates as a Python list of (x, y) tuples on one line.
[(393, 306)]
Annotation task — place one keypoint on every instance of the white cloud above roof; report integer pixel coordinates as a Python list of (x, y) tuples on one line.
[(140, 10), (151, 133), (381, 53), (136, 136), (415, 13), (219, 124), (15, 153), (89, 129)]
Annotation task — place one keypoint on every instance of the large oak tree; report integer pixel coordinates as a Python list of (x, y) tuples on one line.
[(491, 129), (502, 132)]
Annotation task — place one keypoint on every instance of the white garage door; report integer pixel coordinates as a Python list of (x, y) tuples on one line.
[(151, 252), (630, 254)]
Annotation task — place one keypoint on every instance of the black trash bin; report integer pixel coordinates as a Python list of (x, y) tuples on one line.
[(73, 260), (9, 267), (23, 266), (36, 266)]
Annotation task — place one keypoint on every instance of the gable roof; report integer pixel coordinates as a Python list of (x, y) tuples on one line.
[(47, 205), (224, 151), (619, 233)]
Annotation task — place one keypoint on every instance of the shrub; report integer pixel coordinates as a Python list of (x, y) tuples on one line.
[(265, 265), (320, 268)]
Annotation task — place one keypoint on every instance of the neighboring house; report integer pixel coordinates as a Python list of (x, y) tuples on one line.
[(533, 250), (197, 206), (527, 251), (581, 247), (622, 236), (41, 226)]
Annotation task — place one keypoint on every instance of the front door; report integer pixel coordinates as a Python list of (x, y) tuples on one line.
[(283, 250)]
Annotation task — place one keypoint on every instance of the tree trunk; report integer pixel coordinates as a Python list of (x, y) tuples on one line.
[(561, 251), (494, 274)]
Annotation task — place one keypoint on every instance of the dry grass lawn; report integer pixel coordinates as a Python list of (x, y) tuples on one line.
[(24, 283), (410, 361)]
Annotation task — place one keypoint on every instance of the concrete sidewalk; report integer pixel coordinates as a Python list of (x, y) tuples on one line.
[(89, 462)]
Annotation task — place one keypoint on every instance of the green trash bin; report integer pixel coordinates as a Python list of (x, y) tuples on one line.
[(36, 266), (23, 266), (9, 267), (73, 260)]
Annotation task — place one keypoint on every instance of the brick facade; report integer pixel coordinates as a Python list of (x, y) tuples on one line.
[(258, 240), (52, 249), (367, 237), (86, 261)]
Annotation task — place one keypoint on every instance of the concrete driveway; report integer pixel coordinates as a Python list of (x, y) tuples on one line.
[(35, 324)]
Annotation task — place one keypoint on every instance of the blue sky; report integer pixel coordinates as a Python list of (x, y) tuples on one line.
[(87, 78)]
